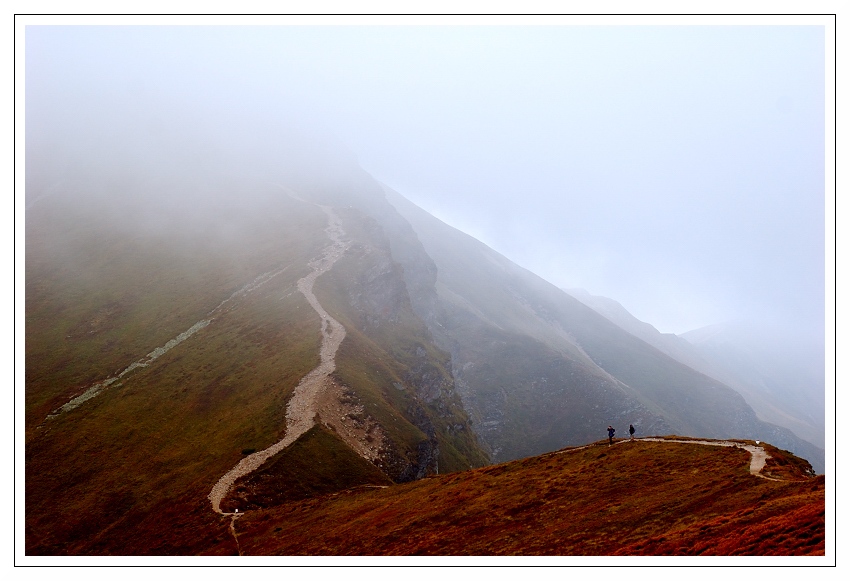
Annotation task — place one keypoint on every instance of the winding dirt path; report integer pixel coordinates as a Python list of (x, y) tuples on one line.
[(758, 455), (304, 403)]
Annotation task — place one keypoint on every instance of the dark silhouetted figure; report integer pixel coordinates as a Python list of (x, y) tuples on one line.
[(611, 435), (631, 432)]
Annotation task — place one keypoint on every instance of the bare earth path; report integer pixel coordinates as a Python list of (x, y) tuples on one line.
[(758, 455), (304, 403)]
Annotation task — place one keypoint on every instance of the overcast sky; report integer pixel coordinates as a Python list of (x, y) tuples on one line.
[(676, 169)]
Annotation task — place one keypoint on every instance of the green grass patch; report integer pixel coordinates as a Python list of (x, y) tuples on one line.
[(316, 464)]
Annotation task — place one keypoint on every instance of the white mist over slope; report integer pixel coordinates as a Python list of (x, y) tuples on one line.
[(676, 169)]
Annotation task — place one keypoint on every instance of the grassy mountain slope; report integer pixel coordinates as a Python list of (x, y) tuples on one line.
[(635, 498), (114, 274), (318, 463), (102, 289), (144, 453)]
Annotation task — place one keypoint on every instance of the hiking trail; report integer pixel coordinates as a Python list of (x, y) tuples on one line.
[(304, 403), (758, 455)]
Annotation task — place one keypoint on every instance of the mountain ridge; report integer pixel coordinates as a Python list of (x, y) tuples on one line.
[(716, 352), (633, 498)]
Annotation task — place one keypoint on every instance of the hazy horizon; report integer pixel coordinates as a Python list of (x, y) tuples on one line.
[(678, 170)]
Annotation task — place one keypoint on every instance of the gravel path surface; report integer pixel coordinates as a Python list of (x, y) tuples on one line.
[(303, 405)]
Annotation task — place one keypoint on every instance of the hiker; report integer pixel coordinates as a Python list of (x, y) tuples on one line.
[(611, 435), (631, 432)]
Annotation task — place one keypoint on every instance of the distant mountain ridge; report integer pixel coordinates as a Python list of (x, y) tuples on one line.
[(764, 367), (782, 376)]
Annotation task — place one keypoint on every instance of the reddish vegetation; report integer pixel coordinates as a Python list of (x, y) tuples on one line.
[(635, 498)]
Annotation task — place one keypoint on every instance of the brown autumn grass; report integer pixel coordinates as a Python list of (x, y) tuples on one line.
[(635, 498)]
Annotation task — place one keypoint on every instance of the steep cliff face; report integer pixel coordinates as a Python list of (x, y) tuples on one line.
[(370, 295)]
